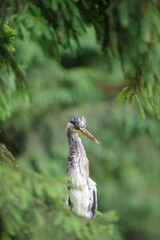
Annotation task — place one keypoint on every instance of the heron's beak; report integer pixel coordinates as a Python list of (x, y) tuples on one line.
[(89, 135)]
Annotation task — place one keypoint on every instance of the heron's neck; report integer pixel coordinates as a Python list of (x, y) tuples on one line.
[(76, 149), (77, 158), (74, 141)]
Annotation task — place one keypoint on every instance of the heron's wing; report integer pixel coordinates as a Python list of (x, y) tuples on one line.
[(92, 198), (68, 201)]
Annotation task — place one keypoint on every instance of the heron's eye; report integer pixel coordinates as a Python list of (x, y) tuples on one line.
[(76, 126), (72, 122)]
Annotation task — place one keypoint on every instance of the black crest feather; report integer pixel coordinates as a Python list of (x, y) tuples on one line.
[(76, 120)]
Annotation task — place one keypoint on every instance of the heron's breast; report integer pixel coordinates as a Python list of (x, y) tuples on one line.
[(80, 198), (77, 174)]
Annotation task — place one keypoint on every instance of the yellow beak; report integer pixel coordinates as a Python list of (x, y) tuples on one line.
[(89, 135)]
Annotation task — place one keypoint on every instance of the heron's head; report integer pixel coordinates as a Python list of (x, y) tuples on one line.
[(78, 125)]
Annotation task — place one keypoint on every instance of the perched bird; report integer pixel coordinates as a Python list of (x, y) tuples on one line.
[(83, 200)]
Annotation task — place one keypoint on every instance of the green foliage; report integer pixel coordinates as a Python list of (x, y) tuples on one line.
[(128, 32), (127, 95), (8, 65), (7, 37), (33, 207), (5, 156), (125, 164), (149, 98)]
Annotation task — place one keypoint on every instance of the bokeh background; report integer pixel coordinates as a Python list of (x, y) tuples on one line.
[(125, 164)]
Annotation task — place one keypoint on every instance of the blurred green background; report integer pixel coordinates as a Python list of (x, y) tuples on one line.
[(125, 164)]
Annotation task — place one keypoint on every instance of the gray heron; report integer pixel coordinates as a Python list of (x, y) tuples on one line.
[(83, 198)]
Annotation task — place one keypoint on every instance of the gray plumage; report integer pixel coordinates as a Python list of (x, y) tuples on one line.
[(84, 199)]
